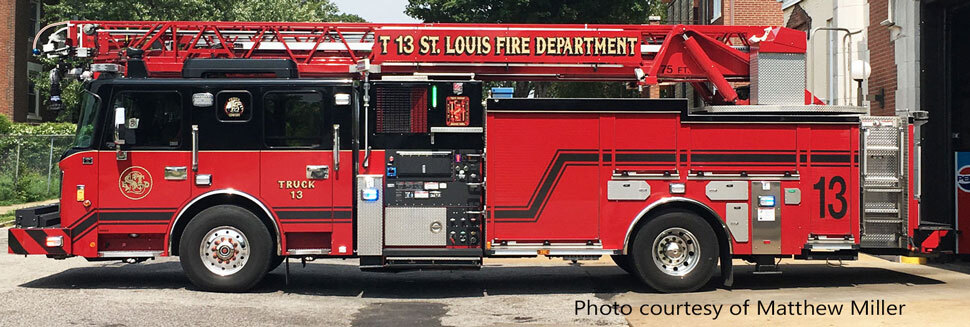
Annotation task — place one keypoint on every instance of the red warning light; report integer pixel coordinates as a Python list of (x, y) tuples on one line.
[(456, 111)]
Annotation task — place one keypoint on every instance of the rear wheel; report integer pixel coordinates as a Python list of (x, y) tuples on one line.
[(676, 251), (225, 248)]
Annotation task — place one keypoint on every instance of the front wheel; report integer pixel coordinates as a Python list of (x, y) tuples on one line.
[(225, 248), (676, 251)]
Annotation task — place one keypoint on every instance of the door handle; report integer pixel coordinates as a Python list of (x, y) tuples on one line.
[(195, 148), (317, 172), (336, 147), (176, 173)]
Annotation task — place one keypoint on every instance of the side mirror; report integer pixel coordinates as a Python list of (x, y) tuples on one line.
[(119, 125), (124, 128), (119, 116)]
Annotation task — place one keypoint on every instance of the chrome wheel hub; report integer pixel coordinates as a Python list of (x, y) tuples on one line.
[(224, 250), (675, 251)]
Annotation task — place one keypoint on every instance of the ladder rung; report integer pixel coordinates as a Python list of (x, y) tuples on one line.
[(882, 221), (881, 210), (882, 189)]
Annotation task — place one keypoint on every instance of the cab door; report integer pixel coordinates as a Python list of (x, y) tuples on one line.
[(142, 188), (297, 166), (228, 139)]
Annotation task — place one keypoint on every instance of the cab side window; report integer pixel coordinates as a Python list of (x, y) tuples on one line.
[(156, 116), (293, 119)]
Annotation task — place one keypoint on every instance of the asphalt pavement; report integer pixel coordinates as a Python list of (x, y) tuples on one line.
[(37, 291)]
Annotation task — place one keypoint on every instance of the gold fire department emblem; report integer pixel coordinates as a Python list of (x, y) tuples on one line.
[(135, 183), (234, 107)]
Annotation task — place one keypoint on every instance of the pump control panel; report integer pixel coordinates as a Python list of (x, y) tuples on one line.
[(449, 179)]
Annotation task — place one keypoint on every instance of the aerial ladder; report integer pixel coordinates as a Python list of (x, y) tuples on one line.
[(717, 61)]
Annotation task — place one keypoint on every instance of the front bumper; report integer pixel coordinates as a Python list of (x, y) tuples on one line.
[(35, 227), (34, 241)]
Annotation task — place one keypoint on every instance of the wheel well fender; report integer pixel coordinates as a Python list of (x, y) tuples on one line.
[(671, 203), (218, 197)]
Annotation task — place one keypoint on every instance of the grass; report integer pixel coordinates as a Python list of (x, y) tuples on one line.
[(7, 217), (18, 201), (11, 202)]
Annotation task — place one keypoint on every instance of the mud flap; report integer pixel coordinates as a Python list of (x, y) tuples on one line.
[(727, 269)]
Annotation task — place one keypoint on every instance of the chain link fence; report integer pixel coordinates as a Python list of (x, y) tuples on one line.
[(28, 167)]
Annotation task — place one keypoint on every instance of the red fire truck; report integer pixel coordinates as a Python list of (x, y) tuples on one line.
[(237, 145)]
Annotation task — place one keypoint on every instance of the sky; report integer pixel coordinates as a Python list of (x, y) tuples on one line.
[(377, 11)]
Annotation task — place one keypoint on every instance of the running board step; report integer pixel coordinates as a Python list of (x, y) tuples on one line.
[(831, 244), (430, 263), (512, 248), (934, 226), (766, 265), (428, 258)]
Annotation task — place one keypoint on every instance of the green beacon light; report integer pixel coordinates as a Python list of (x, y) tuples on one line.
[(434, 96)]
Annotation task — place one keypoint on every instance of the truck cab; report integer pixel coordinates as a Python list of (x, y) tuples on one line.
[(292, 156)]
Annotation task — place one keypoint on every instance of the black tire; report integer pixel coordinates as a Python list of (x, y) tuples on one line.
[(275, 262), (625, 263), (235, 221), (665, 273)]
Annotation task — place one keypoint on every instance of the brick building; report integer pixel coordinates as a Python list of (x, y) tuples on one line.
[(720, 12), (748, 12), (882, 82), (724, 12), (20, 20)]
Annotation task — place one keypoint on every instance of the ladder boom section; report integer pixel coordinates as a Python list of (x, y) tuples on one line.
[(645, 53)]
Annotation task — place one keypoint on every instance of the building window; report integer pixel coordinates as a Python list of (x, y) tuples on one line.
[(33, 97), (32, 102), (715, 10), (34, 18), (788, 3), (890, 14)]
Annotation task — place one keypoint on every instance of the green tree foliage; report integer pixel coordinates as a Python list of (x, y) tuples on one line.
[(198, 10), (186, 10), (27, 153), (71, 89), (535, 11), (544, 12), (6, 126)]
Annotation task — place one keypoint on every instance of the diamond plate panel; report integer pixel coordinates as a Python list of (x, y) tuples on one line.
[(370, 218), (410, 226), (778, 78)]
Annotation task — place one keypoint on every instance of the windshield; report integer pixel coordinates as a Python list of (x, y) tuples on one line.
[(85, 124)]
